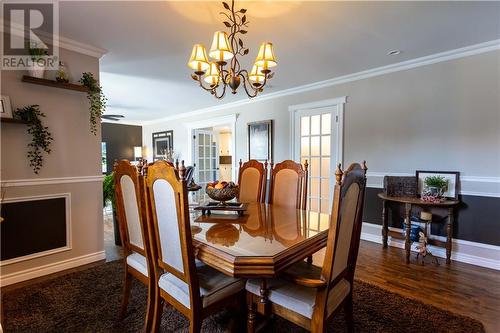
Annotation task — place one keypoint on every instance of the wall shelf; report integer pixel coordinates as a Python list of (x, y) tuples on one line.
[(12, 121), (54, 83)]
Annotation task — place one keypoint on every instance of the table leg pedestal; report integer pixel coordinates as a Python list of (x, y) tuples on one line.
[(408, 230), (449, 235), (263, 305)]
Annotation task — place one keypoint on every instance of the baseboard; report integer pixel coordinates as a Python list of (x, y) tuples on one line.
[(35, 272), (478, 254)]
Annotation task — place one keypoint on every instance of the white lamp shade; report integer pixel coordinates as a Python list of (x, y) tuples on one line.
[(256, 75), (212, 75), (137, 152), (198, 60), (221, 49), (265, 57)]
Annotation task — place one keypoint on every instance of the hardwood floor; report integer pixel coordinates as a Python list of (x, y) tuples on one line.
[(464, 289), (461, 288)]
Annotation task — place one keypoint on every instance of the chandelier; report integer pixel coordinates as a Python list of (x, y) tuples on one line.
[(214, 76)]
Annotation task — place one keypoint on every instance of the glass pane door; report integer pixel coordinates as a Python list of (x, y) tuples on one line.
[(205, 157), (314, 142)]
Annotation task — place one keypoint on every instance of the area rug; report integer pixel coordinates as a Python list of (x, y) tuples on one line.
[(89, 301)]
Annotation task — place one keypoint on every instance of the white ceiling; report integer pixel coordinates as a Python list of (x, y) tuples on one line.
[(145, 76)]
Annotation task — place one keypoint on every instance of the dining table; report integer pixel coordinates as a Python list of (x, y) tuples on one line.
[(266, 240)]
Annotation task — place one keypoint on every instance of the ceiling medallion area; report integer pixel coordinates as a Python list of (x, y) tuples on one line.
[(225, 70)]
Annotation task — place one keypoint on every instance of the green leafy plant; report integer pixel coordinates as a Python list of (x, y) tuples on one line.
[(37, 52), (108, 190), (41, 137), (436, 181), (96, 98)]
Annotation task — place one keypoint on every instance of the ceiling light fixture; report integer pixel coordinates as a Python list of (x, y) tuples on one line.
[(227, 48), (393, 52)]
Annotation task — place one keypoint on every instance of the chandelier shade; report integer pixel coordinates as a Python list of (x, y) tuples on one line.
[(256, 75), (224, 71), (198, 60), (212, 75), (221, 49), (265, 57)]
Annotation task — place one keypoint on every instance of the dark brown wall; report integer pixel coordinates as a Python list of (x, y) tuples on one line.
[(120, 141), (476, 218)]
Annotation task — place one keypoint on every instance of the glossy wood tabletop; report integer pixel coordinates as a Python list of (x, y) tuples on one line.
[(264, 241)]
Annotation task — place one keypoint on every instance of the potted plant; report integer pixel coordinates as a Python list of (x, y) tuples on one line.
[(108, 196), (436, 185), (37, 54)]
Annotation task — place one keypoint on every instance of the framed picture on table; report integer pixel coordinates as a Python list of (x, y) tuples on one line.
[(260, 140), (451, 178)]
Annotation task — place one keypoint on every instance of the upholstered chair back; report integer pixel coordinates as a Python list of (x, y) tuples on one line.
[(252, 181), (289, 185), (128, 202), (171, 232), (345, 231)]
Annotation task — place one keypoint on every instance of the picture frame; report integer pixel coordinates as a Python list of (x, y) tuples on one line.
[(451, 176), (163, 142), (260, 140), (5, 107)]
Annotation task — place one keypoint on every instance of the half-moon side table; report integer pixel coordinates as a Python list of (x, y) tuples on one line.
[(409, 202)]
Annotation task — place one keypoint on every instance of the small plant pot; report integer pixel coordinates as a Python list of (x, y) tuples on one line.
[(37, 71), (435, 191)]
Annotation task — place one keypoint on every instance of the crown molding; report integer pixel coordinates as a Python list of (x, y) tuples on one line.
[(61, 42), (470, 50)]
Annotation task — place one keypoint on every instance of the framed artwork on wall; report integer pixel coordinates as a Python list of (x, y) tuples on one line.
[(450, 178), (5, 107), (163, 143), (260, 140)]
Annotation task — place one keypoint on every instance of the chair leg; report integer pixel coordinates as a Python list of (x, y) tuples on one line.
[(150, 307), (251, 314), (126, 294), (157, 312), (195, 324), (348, 311), (309, 259)]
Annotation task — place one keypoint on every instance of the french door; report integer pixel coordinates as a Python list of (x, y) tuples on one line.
[(315, 140), (206, 159)]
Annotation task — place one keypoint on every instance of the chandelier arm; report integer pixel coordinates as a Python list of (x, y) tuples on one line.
[(214, 91), (205, 88), (255, 91)]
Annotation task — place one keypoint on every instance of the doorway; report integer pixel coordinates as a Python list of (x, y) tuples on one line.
[(318, 138)]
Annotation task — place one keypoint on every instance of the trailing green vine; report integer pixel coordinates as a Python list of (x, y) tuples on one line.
[(96, 98), (41, 137)]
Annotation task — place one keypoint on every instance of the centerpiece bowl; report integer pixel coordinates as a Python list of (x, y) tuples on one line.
[(222, 191)]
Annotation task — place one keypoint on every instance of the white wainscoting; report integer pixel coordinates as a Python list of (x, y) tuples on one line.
[(478, 254), (35, 272), (67, 197), (469, 185)]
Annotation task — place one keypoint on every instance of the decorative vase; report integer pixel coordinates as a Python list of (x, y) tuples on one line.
[(435, 191), (36, 70)]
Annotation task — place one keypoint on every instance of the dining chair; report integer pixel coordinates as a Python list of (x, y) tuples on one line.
[(130, 207), (308, 295), (288, 184), (252, 177), (193, 288)]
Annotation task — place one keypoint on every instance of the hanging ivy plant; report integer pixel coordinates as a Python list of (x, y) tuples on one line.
[(41, 137), (96, 98)]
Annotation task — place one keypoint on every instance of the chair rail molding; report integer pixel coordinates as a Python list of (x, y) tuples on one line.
[(68, 247), (469, 185), (50, 181)]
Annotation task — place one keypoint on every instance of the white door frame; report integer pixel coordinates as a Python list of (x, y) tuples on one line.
[(211, 122), (339, 103)]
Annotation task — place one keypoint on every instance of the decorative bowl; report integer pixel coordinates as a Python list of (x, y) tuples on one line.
[(222, 194)]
